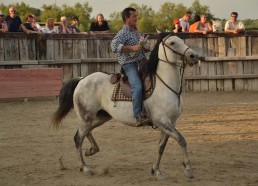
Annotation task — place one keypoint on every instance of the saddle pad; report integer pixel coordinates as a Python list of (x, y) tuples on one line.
[(119, 96)]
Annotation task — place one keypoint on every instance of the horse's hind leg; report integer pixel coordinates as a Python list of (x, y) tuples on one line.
[(173, 132), (85, 131), (162, 144)]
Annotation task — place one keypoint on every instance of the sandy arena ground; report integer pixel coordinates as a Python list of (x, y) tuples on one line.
[(221, 130)]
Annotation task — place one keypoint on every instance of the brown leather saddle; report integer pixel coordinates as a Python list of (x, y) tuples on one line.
[(122, 89)]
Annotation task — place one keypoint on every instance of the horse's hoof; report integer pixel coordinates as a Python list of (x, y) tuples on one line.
[(90, 151), (159, 175), (88, 172), (189, 174)]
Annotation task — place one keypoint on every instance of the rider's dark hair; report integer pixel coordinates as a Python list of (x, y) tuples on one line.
[(126, 12)]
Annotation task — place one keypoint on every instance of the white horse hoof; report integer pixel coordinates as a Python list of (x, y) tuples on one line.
[(159, 175), (88, 172), (189, 174)]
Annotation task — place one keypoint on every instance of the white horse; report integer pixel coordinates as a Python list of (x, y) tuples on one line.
[(91, 99)]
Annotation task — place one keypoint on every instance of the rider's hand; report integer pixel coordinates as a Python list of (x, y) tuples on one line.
[(136, 48)]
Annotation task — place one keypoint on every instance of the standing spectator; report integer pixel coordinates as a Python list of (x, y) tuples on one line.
[(195, 24), (3, 24), (178, 27), (27, 27), (74, 25), (36, 25), (184, 21), (126, 42), (203, 25), (50, 26), (100, 25), (233, 25), (13, 21), (64, 28)]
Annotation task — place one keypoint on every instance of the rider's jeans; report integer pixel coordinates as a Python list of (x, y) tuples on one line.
[(131, 71)]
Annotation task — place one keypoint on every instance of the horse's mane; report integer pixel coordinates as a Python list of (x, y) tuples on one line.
[(152, 64)]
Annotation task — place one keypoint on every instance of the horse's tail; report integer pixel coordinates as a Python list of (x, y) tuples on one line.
[(65, 102)]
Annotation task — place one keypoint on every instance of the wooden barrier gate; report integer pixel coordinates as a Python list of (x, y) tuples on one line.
[(27, 83)]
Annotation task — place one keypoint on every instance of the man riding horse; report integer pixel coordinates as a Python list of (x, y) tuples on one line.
[(127, 43)]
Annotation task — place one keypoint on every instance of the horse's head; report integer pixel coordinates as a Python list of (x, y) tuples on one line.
[(172, 47)]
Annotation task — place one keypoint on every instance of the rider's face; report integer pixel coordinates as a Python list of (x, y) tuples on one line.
[(132, 19)]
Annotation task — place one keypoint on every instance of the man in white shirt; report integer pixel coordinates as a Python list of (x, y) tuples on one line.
[(184, 21), (233, 25)]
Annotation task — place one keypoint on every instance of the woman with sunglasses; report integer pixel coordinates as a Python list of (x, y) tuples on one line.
[(233, 25)]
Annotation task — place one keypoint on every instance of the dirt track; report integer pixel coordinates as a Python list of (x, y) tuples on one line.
[(221, 130)]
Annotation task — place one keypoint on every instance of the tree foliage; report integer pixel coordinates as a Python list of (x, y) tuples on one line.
[(148, 19)]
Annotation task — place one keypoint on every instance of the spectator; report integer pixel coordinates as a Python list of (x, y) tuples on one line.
[(74, 25), (195, 24), (64, 28), (13, 21), (100, 25), (203, 26), (36, 25), (184, 21), (27, 27), (233, 25), (50, 26), (178, 27), (3, 24)]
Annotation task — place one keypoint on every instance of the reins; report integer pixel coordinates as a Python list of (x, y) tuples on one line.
[(182, 67)]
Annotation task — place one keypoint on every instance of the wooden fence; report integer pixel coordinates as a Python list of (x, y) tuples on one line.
[(230, 61)]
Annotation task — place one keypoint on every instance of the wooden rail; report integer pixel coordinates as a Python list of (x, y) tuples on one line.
[(230, 62)]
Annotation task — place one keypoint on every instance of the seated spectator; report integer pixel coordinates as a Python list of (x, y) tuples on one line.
[(13, 21), (184, 21), (100, 25), (64, 28), (27, 27), (50, 26), (233, 25), (36, 25), (203, 26), (3, 24), (74, 25), (178, 27), (194, 25)]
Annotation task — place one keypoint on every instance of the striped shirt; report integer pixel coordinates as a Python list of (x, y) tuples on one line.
[(126, 37)]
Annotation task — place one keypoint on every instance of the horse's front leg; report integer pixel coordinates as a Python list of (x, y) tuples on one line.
[(162, 144), (172, 132)]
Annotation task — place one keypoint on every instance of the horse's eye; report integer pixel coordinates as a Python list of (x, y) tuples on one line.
[(172, 43)]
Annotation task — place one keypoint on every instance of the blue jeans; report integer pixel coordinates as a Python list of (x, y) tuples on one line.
[(131, 71)]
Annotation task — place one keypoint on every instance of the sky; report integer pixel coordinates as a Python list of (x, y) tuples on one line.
[(219, 8)]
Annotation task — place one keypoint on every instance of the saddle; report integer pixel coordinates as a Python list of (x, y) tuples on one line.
[(122, 89)]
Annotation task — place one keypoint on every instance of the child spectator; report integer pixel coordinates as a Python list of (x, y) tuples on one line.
[(178, 27)]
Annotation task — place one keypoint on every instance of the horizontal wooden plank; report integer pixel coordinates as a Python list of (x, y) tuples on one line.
[(22, 62), (221, 59), (200, 77), (100, 60), (24, 83)]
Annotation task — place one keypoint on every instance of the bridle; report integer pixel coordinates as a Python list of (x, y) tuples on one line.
[(182, 67)]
